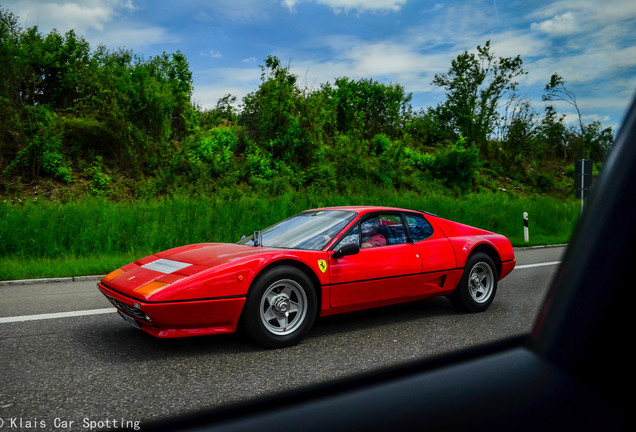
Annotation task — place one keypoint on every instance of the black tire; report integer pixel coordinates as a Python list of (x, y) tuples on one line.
[(281, 307), (478, 285)]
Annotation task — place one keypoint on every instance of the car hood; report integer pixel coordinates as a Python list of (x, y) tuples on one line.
[(210, 254), (157, 276)]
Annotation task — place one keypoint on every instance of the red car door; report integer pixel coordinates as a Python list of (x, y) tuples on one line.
[(439, 272), (385, 270)]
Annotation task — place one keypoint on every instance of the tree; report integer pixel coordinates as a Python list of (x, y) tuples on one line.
[(223, 113), (60, 102), (368, 108), (475, 84), (519, 132), (270, 114), (552, 133), (589, 141), (10, 104), (555, 90)]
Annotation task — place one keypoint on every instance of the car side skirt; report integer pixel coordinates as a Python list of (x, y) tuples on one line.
[(428, 285)]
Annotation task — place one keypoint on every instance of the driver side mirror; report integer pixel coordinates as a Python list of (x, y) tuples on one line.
[(348, 249)]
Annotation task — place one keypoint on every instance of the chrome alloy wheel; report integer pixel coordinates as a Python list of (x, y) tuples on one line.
[(481, 282), (283, 307)]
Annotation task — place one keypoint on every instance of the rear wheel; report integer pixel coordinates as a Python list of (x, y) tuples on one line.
[(280, 308), (478, 285)]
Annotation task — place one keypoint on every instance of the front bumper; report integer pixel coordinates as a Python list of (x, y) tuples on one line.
[(179, 319)]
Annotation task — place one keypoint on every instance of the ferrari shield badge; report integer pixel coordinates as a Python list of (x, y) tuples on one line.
[(322, 265)]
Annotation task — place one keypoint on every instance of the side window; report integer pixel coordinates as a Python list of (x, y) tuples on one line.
[(352, 237), (382, 230), (419, 227)]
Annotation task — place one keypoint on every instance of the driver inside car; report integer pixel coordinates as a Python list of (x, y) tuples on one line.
[(370, 236)]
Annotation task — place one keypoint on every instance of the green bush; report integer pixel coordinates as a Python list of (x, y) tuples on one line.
[(48, 147), (212, 150), (544, 182), (422, 161), (44, 147), (100, 182), (456, 165), (259, 164), (352, 157)]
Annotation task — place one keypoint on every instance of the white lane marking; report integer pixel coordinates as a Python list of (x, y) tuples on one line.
[(537, 265), (56, 315)]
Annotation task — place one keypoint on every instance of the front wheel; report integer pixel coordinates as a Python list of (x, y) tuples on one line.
[(280, 307), (478, 285)]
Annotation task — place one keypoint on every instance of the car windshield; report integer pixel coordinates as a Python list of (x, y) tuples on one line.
[(311, 230)]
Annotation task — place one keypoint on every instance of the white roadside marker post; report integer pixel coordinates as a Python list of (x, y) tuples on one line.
[(526, 234)]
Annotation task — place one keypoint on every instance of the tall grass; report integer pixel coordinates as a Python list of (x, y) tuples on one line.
[(94, 236)]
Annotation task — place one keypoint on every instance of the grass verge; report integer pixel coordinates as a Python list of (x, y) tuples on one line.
[(93, 236)]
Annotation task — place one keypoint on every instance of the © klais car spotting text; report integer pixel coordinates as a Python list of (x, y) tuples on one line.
[(19, 423)]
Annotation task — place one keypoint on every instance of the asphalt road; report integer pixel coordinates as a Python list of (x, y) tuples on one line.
[(95, 371)]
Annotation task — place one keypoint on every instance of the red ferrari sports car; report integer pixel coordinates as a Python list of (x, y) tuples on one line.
[(319, 262)]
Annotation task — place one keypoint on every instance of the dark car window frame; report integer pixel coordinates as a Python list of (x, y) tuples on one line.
[(371, 215), (410, 234)]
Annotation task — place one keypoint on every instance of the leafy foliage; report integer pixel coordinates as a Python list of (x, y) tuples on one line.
[(124, 126), (44, 151), (271, 113), (213, 148), (456, 165), (475, 85), (366, 107), (100, 181), (59, 99)]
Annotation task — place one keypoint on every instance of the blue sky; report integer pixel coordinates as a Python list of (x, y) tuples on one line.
[(590, 43)]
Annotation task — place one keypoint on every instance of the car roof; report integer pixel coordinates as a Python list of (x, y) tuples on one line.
[(364, 209)]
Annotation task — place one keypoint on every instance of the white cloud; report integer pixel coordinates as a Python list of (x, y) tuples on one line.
[(339, 6), (606, 12), (587, 17), (564, 24), (598, 63), (384, 58), (364, 5), (100, 22), (515, 42), (206, 96), (68, 14), (215, 54), (290, 4), (236, 81)]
